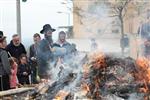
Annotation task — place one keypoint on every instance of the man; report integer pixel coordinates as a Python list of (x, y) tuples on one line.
[(94, 45), (63, 50), (144, 34), (147, 48), (33, 57), (44, 52), (62, 47), (15, 47), (5, 70)]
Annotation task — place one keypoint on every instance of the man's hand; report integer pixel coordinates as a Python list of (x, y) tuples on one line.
[(25, 73), (33, 58)]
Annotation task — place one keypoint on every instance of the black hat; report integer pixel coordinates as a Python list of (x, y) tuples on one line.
[(47, 27), (1, 34)]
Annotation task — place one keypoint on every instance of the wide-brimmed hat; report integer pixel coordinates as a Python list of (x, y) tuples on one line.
[(47, 27)]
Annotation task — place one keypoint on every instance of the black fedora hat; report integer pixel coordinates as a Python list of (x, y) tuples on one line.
[(47, 27)]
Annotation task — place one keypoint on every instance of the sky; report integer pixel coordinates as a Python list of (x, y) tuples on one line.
[(34, 14)]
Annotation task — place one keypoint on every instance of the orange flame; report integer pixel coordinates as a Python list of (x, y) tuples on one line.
[(85, 87), (143, 72), (61, 95), (98, 60)]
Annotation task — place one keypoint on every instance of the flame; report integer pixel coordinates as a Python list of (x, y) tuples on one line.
[(143, 74), (143, 63), (61, 95), (57, 98), (85, 87), (98, 60)]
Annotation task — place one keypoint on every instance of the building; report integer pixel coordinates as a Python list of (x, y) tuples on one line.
[(94, 18)]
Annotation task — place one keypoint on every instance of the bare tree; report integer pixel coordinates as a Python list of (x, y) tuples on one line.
[(119, 9)]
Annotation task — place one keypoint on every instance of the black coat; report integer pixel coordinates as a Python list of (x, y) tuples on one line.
[(23, 79), (16, 51), (33, 53), (44, 55)]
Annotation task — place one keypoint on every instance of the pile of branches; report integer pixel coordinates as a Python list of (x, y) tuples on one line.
[(109, 75)]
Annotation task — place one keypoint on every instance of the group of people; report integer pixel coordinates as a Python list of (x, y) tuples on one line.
[(18, 67)]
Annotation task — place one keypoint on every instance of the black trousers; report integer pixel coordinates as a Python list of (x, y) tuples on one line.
[(4, 82)]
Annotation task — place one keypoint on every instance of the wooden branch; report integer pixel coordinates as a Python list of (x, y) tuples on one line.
[(15, 91), (126, 3), (113, 16)]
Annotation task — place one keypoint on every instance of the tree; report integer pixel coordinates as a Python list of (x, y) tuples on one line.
[(119, 9)]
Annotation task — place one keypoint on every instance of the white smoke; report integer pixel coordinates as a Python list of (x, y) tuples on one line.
[(62, 69)]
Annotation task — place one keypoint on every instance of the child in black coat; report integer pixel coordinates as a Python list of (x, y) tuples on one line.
[(23, 70)]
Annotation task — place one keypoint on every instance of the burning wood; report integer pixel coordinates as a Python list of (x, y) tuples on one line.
[(61, 95), (117, 76), (101, 77), (53, 88)]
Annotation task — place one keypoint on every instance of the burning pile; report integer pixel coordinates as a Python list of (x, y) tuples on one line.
[(99, 77), (112, 78)]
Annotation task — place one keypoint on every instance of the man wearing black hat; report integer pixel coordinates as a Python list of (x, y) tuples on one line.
[(44, 52)]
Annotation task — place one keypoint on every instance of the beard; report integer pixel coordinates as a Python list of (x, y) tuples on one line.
[(62, 40), (49, 38), (16, 44)]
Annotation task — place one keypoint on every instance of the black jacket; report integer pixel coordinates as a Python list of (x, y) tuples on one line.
[(23, 79), (4, 63), (33, 51), (16, 51), (45, 56)]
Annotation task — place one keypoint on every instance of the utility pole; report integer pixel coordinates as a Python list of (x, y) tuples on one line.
[(18, 14)]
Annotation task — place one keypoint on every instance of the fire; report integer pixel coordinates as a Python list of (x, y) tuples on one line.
[(98, 60), (85, 87), (143, 63), (143, 73), (58, 98), (61, 95)]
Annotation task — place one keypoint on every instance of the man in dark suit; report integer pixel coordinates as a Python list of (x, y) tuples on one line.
[(44, 54), (33, 57)]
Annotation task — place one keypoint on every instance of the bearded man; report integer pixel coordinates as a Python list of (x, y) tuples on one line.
[(15, 47), (44, 52)]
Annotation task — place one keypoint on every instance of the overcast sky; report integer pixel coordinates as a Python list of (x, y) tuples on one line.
[(34, 14)]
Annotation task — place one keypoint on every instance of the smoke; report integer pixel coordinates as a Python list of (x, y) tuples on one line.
[(62, 69), (144, 37), (95, 21)]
